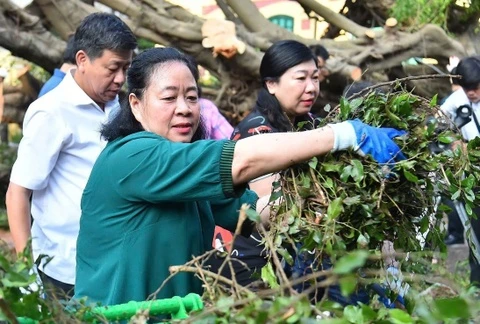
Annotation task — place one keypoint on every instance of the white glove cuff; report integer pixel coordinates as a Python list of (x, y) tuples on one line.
[(345, 136)]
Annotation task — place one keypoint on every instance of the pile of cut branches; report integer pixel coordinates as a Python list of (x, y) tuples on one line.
[(343, 202), (343, 207)]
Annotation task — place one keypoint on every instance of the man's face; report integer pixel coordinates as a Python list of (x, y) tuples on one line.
[(103, 77), (473, 93)]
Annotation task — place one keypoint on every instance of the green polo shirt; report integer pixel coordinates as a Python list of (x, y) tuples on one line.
[(151, 203)]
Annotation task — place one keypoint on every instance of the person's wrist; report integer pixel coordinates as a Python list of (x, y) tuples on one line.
[(344, 136)]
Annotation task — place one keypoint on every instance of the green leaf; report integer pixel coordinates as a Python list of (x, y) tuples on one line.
[(433, 102), (410, 176), (295, 212), (468, 209), (313, 162), (362, 241), (348, 285), (368, 313), (344, 108), (357, 170), (268, 275), (469, 181), (318, 236), (353, 314), (452, 308), (335, 208), (12, 279), (284, 253), (224, 303), (424, 224), (275, 195), (328, 183), (252, 215), (347, 171), (6, 282), (349, 201), (4, 264), (456, 195), (398, 316), (469, 194), (350, 262), (446, 139), (331, 167), (355, 103)]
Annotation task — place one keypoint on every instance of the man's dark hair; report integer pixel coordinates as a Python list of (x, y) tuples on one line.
[(469, 69), (69, 53), (319, 50), (278, 58), (102, 31), (139, 77)]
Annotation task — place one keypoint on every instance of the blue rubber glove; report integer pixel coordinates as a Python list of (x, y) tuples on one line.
[(367, 140), (393, 282), (398, 303)]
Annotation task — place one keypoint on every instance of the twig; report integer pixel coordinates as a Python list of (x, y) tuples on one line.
[(206, 255), (208, 311), (323, 199), (7, 311), (201, 274), (184, 268), (382, 189), (228, 259), (275, 258)]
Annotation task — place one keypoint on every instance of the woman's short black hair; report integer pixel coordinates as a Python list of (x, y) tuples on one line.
[(139, 77), (278, 58)]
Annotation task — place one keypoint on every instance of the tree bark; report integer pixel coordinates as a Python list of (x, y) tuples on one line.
[(25, 36), (335, 18)]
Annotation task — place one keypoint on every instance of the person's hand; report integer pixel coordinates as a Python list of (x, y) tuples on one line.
[(368, 140), (452, 63)]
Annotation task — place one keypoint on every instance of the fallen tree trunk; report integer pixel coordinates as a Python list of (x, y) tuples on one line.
[(171, 25)]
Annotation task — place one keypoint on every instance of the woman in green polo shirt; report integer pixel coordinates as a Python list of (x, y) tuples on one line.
[(157, 191)]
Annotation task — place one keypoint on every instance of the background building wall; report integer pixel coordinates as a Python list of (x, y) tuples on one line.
[(302, 24)]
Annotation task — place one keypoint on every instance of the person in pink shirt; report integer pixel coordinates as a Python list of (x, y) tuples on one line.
[(216, 125)]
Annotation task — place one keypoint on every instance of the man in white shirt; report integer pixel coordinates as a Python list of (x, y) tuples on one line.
[(469, 94), (61, 142)]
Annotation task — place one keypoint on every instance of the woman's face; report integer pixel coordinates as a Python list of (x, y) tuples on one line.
[(169, 106), (297, 89)]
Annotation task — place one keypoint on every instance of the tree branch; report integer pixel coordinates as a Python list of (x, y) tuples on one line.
[(227, 12), (254, 21), (335, 18), (24, 35)]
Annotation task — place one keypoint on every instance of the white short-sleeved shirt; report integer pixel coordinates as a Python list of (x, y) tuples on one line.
[(61, 141), (455, 100)]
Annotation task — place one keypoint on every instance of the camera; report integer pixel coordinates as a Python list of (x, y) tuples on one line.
[(463, 117)]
